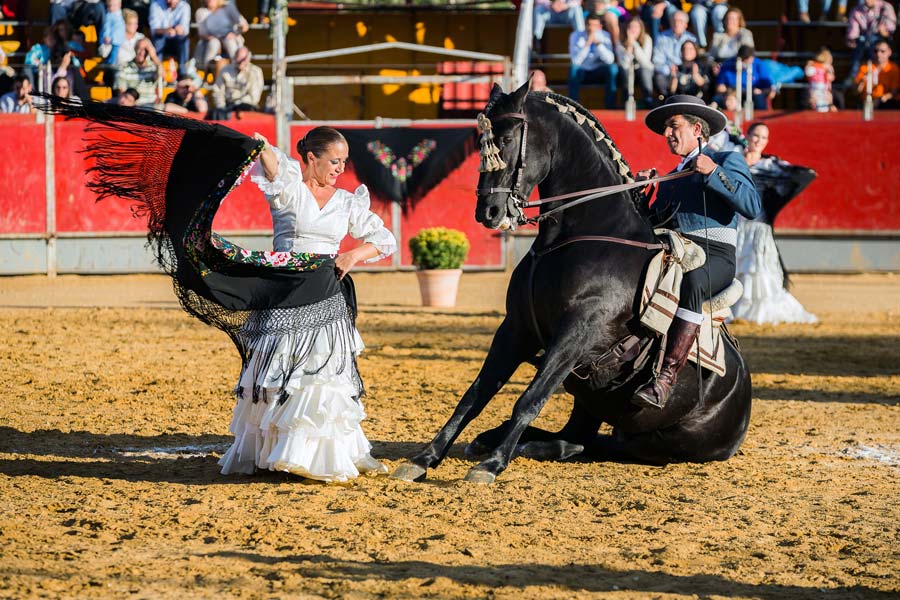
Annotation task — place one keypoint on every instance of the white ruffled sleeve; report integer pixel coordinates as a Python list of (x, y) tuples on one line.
[(368, 227), (286, 182)]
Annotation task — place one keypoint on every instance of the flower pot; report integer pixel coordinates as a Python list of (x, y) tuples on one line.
[(438, 286)]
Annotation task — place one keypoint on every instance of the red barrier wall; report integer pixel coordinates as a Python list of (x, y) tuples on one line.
[(855, 190)]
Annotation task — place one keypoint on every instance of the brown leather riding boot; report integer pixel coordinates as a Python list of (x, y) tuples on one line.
[(682, 335)]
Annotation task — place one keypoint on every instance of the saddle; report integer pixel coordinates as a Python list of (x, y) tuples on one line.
[(661, 294)]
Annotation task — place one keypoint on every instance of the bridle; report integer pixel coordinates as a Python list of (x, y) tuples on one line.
[(516, 203)]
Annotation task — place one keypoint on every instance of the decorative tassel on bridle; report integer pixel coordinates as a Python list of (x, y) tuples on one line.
[(490, 153)]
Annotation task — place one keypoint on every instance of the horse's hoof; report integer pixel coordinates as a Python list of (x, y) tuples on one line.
[(476, 475), (476, 449), (409, 472)]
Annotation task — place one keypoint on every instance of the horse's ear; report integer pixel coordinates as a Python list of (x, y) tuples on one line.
[(496, 92), (518, 97)]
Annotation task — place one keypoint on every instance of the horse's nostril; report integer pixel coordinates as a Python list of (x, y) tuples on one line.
[(492, 212)]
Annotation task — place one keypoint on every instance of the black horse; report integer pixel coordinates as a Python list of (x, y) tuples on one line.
[(574, 298)]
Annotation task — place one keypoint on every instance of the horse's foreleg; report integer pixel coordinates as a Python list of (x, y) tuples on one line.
[(558, 362), (506, 354)]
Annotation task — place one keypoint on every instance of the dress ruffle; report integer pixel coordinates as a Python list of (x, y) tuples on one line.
[(314, 431), (764, 300)]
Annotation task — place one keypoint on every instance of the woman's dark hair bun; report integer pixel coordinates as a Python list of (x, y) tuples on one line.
[(318, 140)]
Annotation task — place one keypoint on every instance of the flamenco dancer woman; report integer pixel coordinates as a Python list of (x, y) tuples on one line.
[(310, 424), (759, 267), (290, 312)]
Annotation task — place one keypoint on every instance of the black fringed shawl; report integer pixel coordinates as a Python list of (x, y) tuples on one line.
[(176, 172), (403, 164)]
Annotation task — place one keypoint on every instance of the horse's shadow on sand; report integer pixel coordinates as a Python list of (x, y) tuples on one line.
[(578, 578), (174, 458)]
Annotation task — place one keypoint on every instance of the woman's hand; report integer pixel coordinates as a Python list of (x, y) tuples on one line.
[(267, 158), (344, 262)]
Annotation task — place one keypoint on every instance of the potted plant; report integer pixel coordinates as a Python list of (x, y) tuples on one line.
[(439, 253)]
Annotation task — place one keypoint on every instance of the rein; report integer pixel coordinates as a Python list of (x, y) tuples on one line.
[(515, 204)]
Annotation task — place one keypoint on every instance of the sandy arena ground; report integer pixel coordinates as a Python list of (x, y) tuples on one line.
[(117, 409)]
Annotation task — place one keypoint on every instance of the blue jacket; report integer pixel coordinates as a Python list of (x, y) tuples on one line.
[(729, 190)]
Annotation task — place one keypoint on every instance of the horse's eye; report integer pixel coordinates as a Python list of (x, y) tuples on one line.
[(506, 140)]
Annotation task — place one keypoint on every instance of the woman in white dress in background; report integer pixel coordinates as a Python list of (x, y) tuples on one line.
[(312, 428), (759, 267)]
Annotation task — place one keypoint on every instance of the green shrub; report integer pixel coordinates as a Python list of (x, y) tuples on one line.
[(439, 248)]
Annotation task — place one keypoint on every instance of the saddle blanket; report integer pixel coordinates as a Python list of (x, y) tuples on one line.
[(662, 290)]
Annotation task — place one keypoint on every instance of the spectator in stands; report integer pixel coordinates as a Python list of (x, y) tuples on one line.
[(657, 15), (869, 22), (593, 60), (885, 78), (803, 10), (185, 99), (19, 99), (238, 87), (539, 81), (112, 37), (60, 57), (700, 16), (735, 34), (667, 50), (7, 74), (62, 88), (762, 89), (609, 15), (820, 74), (219, 26), (635, 50), (141, 8), (692, 76), (127, 97), (142, 74), (79, 12), (557, 12), (170, 25)]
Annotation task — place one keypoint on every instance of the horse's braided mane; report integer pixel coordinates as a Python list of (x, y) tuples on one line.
[(606, 144)]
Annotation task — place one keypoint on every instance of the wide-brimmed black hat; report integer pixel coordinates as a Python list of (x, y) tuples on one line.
[(681, 104)]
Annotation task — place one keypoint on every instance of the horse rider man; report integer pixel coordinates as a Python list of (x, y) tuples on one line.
[(703, 207)]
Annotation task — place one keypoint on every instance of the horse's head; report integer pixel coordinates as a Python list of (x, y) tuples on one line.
[(506, 179)]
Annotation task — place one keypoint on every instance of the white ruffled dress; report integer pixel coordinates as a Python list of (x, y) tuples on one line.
[(312, 428), (764, 300)]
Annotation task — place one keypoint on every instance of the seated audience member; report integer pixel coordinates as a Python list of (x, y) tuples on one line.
[(127, 97), (19, 99), (700, 16), (141, 8), (113, 34), (803, 10), (868, 22), (667, 50), (657, 16), (7, 74), (609, 15), (760, 81), (885, 78), (170, 26), (79, 13), (142, 74), (557, 12), (185, 99), (219, 27), (62, 60), (593, 60), (62, 88), (692, 76), (238, 87), (539, 81), (636, 51), (735, 34), (820, 74)]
